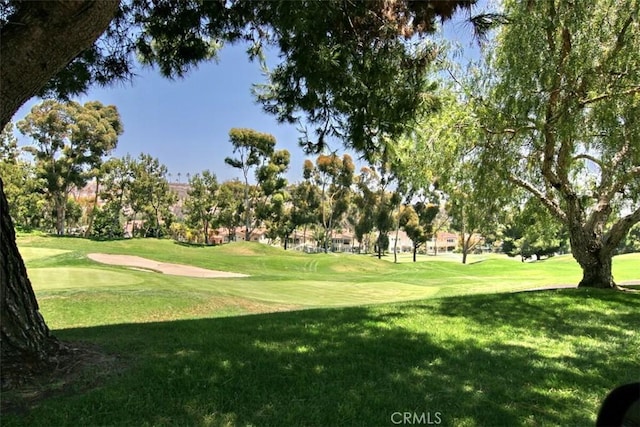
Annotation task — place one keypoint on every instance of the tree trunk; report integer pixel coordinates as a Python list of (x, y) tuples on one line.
[(594, 260), (26, 341), (415, 251), (206, 232), (92, 215), (596, 273), (465, 248), (60, 203), (42, 39)]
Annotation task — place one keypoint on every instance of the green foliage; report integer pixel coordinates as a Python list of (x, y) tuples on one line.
[(305, 204), (70, 142), (448, 143), (107, 224), (149, 194), (21, 186), (333, 176), (201, 205), (255, 151), (562, 106), (533, 231), (631, 242), (377, 206), (231, 208), (8, 145), (350, 67), (417, 221)]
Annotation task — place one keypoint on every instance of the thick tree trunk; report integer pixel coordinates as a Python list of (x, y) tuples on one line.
[(594, 259), (596, 273), (41, 39), (26, 343)]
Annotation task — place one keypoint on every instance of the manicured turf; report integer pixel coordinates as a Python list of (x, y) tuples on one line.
[(465, 347), (543, 358)]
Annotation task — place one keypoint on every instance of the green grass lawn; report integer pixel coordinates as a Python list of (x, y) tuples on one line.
[(450, 339)]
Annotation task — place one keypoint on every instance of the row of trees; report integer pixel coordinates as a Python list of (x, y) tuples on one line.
[(136, 194)]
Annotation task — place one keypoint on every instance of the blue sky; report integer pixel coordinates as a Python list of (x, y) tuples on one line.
[(185, 123)]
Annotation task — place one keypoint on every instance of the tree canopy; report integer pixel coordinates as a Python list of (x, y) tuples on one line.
[(70, 141), (562, 110)]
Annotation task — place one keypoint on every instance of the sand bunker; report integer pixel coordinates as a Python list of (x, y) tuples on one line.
[(162, 267)]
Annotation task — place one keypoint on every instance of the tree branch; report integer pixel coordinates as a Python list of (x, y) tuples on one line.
[(589, 157), (585, 102), (548, 202), (51, 35), (619, 230)]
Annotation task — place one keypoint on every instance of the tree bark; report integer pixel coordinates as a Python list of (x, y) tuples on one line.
[(26, 342), (41, 39), (594, 249), (60, 202), (594, 259)]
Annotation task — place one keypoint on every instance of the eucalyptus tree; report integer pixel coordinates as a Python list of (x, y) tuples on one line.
[(70, 140), (201, 204), (377, 204), (150, 194), (417, 221), (230, 206), (563, 111), (273, 197), (55, 49), (305, 206), (252, 149), (333, 175), (117, 178), (22, 187)]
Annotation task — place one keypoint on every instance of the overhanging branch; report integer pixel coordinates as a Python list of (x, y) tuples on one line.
[(631, 91), (548, 202), (620, 229)]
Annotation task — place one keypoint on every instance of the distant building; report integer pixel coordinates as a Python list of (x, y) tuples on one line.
[(442, 242), (404, 243)]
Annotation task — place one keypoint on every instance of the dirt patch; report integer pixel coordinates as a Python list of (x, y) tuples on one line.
[(162, 267), (76, 367)]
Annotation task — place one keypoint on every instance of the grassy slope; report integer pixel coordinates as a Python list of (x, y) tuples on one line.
[(536, 358), (280, 280)]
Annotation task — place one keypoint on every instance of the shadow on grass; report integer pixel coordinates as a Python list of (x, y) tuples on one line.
[(193, 245), (360, 366)]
